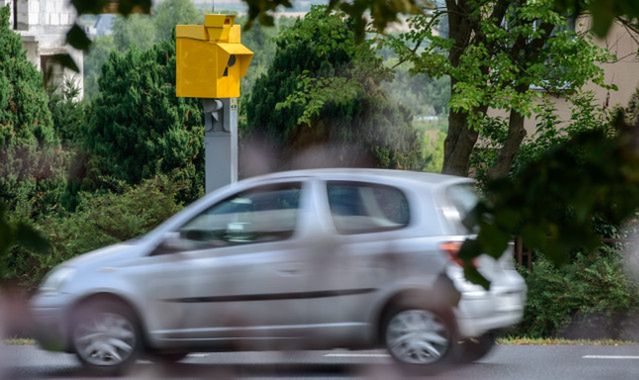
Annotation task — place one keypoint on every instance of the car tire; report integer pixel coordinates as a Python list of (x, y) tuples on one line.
[(420, 339), (474, 349), (105, 336)]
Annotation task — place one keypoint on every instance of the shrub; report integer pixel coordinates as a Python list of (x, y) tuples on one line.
[(138, 128), (592, 286), (101, 219), (323, 91)]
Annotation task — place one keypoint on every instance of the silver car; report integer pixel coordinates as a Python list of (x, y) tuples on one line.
[(296, 260)]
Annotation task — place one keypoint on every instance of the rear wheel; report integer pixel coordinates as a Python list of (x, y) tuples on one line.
[(105, 336), (476, 348), (419, 338)]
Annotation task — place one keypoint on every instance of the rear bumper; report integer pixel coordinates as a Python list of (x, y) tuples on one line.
[(480, 311)]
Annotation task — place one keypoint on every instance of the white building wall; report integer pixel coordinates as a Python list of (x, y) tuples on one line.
[(43, 25)]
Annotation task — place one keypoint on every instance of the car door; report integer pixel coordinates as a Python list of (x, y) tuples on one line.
[(235, 270), (365, 221)]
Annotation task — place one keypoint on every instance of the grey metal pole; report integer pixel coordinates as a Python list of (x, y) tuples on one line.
[(220, 142)]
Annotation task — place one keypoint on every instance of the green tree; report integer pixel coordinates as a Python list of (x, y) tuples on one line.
[(497, 53), (135, 30), (323, 88), (138, 126), (101, 47), (29, 149), (24, 116), (169, 13), (68, 112), (418, 92), (26, 140)]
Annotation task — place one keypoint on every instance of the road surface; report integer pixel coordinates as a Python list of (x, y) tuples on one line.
[(505, 362)]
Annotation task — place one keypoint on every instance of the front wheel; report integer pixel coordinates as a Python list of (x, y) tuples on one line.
[(105, 336), (419, 338)]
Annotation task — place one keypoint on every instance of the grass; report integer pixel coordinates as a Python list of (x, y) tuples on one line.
[(507, 341), (562, 342), (19, 342)]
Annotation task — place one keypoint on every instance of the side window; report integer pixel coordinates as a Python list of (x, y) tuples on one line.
[(358, 207), (265, 213)]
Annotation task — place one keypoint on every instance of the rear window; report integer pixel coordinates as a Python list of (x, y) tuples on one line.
[(358, 207), (463, 198)]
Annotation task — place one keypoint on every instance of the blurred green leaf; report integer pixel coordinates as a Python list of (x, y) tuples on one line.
[(90, 6), (29, 238), (77, 38), (472, 274), (65, 60)]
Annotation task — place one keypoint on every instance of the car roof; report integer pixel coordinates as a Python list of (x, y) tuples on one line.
[(404, 176)]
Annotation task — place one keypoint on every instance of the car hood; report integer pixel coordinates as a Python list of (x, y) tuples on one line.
[(110, 255)]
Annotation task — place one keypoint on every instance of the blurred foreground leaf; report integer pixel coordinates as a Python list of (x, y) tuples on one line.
[(19, 233), (553, 203)]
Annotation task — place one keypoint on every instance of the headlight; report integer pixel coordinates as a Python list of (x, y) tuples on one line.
[(56, 279)]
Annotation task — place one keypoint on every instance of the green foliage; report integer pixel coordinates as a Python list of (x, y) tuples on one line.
[(31, 162), (323, 88), (261, 40), (589, 286), (433, 149), (138, 127), (585, 115), (549, 132), (101, 219), (170, 13), (134, 31), (24, 117), (419, 93), (632, 111), (95, 58), (501, 68), (380, 12), (15, 232), (554, 202), (68, 113)]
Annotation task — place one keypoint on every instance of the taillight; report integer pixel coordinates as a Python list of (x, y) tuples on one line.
[(452, 249)]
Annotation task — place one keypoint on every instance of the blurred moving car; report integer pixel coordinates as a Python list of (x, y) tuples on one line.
[(296, 260)]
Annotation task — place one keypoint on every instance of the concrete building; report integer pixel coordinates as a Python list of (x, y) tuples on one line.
[(42, 25)]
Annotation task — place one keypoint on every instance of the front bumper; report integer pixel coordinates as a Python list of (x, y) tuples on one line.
[(50, 320)]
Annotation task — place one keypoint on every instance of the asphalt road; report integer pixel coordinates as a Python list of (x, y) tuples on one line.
[(506, 362)]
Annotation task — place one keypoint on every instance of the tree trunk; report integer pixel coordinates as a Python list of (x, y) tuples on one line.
[(460, 140), (516, 134), (458, 145)]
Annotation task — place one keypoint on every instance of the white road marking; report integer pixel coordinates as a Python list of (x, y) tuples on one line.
[(357, 355), (198, 355), (614, 357)]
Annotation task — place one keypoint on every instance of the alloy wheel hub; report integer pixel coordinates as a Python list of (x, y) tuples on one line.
[(417, 337), (106, 340)]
